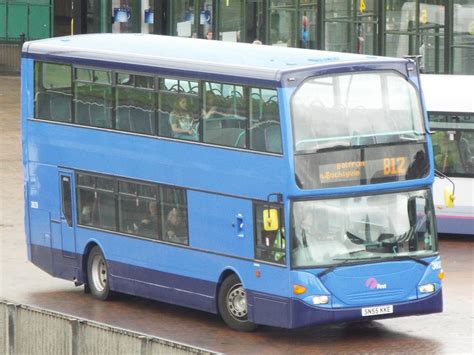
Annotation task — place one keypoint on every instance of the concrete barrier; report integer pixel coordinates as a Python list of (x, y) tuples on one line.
[(29, 330)]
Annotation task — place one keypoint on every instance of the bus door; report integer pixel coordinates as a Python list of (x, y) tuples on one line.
[(68, 236)]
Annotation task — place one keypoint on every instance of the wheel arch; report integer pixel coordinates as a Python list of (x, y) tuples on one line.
[(85, 255), (244, 322), (224, 274)]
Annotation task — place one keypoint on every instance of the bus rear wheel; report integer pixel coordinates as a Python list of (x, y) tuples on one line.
[(98, 275), (232, 303)]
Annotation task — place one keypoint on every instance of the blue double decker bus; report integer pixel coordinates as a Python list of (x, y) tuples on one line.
[(276, 186)]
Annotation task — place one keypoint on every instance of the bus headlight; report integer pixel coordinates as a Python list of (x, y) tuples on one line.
[(320, 299), (428, 288)]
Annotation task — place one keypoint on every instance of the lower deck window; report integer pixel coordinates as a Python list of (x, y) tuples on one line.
[(147, 210)]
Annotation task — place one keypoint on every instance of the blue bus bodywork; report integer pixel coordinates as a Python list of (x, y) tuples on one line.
[(221, 184)]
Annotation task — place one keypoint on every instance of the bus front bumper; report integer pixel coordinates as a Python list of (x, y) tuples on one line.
[(304, 314)]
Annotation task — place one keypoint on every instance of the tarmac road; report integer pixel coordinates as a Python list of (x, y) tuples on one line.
[(450, 332)]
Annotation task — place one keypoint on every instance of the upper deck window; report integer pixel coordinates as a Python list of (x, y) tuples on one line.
[(53, 92), (355, 109), (225, 114), (212, 112), (179, 109), (357, 129), (135, 103), (93, 97), (265, 121)]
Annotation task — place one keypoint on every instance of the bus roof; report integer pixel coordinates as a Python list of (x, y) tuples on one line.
[(175, 53), (448, 93)]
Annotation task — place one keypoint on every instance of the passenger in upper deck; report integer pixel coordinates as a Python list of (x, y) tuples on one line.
[(182, 123), (214, 109), (210, 108)]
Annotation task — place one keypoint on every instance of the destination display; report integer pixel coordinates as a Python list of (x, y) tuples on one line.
[(361, 166)]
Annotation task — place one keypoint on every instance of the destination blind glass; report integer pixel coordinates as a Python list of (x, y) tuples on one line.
[(361, 166)]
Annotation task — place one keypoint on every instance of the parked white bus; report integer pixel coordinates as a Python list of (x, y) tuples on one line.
[(450, 104)]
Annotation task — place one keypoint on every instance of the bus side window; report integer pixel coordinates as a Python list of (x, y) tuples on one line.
[(96, 201), (224, 116), (265, 130), (93, 97), (135, 103), (138, 209), (269, 245), (174, 214), (179, 109), (53, 96)]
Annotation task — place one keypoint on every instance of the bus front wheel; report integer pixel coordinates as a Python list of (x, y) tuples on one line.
[(98, 275), (232, 304)]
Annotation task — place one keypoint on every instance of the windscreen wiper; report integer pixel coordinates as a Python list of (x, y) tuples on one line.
[(332, 268), (357, 251), (354, 239), (415, 259), (345, 261), (303, 236)]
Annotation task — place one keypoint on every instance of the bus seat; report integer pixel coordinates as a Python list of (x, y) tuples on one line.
[(257, 137), (61, 107), (141, 120), (82, 113), (106, 207), (225, 136), (164, 124), (100, 115), (240, 142), (256, 111), (232, 122), (270, 111), (212, 123), (42, 104), (123, 118), (273, 139)]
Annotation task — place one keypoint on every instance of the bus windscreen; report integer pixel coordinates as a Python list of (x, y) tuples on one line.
[(355, 109), (352, 229)]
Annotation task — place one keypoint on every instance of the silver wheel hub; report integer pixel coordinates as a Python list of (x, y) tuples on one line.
[(237, 302), (99, 273)]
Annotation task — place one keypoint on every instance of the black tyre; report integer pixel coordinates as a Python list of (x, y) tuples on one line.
[(232, 305), (98, 275)]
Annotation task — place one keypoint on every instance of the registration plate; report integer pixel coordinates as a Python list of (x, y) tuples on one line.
[(375, 311)]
